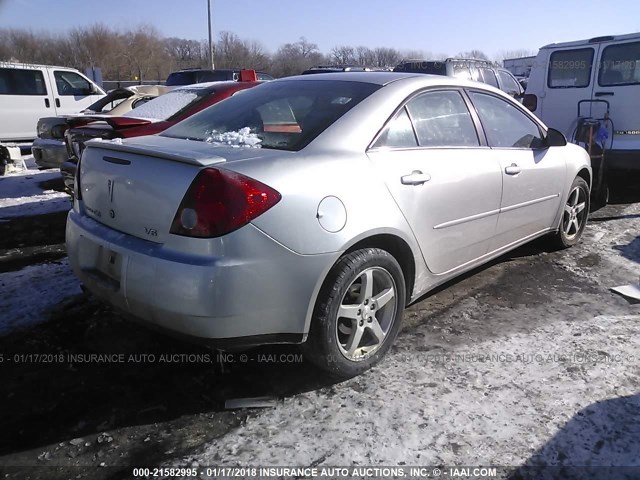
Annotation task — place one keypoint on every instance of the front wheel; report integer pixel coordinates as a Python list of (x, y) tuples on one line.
[(358, 313), (574, 215)]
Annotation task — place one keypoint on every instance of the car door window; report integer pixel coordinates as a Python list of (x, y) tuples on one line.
[(509, 83), (398, 133), (69, 83), (489, 77), (504, 124), (15, 81), (620, 65), (570, 68), (441, 119)]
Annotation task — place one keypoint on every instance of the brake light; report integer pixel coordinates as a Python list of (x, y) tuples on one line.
[(530, 101), (219, 202)]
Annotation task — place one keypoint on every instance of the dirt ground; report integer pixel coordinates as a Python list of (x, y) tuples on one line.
[(528, 361)]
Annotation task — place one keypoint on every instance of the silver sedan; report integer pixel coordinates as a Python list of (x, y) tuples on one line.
[(313, 209)]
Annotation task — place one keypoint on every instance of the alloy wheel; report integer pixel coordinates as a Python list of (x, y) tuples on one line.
[(366, 313)]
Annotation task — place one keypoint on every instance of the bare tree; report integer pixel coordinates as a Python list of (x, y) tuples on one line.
[(343, 55), (294, 58), (386, 57)]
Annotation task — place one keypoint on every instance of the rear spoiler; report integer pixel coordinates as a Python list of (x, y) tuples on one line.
[(115, 122)]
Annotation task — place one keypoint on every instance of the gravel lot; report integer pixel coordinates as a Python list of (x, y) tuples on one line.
[(531, 360)]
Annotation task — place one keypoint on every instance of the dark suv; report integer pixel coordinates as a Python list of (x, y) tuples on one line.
[(200, 75), (467, 68)]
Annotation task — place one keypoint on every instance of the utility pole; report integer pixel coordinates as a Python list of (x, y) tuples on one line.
[(210, 42)]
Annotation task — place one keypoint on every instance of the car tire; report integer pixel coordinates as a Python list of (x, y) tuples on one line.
[(368, 287), (574, 215)]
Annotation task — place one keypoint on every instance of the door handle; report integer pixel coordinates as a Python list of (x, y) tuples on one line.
[(415, 178), (604, 94), (57, 102), (512, 169), (47, 103)]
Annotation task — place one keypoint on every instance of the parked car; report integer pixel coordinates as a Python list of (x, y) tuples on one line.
[(594, 78), (354, 195), (30, 92), (152, 117), (49, 150), (191, 76), (467, 68)]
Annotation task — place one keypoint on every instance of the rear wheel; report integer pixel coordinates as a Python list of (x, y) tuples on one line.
[(358, 313), (574, 215)]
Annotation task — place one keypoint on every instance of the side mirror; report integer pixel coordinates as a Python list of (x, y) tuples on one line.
[(555, 138)]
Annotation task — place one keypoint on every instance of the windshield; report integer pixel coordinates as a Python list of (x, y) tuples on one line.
[(283, 115), (169, 104)]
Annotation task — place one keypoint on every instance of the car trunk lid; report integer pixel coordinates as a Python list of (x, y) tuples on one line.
[(137, 187)]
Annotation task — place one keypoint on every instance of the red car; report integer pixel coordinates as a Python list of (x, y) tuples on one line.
[(153, 117)]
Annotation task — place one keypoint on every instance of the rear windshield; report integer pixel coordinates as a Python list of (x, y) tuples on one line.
[(433, 68), (283, 115), (166, 106)]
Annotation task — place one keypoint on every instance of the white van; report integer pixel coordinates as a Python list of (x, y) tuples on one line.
[(600, 73), (29, 92)]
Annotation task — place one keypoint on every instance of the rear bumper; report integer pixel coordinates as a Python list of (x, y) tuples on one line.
[(49, 153), (258, 292)]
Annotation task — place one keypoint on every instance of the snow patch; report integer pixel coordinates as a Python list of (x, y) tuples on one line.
[(241, 138), (21, 194), (29, 293)]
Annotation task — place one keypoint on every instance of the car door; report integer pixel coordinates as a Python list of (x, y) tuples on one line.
[(73, 92), (24, 99), (618, 82), (533, 175), (444, 180), (569, 79)]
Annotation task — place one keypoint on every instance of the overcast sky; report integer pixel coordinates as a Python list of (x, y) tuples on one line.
[(437, 27)]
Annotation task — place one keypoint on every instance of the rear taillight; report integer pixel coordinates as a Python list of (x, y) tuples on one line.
[(530, 101), (219, 202)]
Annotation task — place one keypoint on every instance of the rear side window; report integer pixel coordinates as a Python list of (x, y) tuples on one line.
[(441, 119), (504, 124), (398, 133), (71, 84), (15, 81), (620, 65), (570, 68)]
